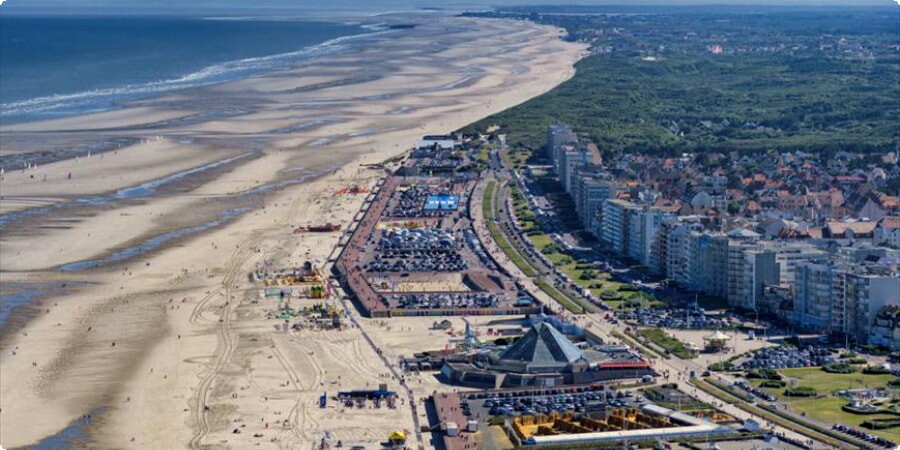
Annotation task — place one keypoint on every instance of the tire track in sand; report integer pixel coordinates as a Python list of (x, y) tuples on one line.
[(226, 342)]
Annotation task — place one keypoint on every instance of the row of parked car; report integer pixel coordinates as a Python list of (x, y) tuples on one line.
[(786, 357), (754, 391), (871, 438), (448, 300), (575, 402), (680, 318), (535, 392)]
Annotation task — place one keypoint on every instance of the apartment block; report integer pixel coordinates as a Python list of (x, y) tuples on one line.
[(557, 136), (750, 269), (707, 260)]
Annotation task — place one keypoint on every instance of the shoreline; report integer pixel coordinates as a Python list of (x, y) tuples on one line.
[(189, 330), (58, 106)]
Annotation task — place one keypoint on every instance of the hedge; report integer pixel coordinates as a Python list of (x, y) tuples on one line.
[(721, 366), (881, 424), (853, 410), (801, 391), (839, 368), (876, 370), (764, 374)]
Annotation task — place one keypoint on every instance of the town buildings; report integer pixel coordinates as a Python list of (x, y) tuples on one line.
[(772, 233)]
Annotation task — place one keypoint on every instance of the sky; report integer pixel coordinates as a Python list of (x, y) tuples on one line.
[(361, 6)]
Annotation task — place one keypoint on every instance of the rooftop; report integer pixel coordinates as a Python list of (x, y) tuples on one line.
[(541, 345)]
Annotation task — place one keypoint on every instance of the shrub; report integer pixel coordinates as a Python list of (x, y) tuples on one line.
[(610, 294), (876, 370), (851, 409), (881, 424), (721, 366), (764, 374), (857, 361), (773, 384), (875, 350), (801, 391), (839, 368), (550, 249)]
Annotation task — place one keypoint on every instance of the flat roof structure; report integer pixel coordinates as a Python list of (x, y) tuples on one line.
[(686, 426), (442, 202)]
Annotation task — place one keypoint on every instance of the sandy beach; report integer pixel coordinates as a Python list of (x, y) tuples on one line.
[(167, 345)]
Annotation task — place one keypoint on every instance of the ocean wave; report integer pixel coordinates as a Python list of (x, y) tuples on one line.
[(103, 99)]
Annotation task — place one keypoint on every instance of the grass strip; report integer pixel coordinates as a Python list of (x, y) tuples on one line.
[(559, 297), (630, 340), (500, 238), (814, 427), (487, 205), (805, 429)]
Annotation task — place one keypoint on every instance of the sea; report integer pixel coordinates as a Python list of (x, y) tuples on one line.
[(52, 67)]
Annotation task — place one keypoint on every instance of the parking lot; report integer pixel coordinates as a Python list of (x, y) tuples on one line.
[(444, 300), (678, 318), (585, 400), (417, 250), (785, 357)]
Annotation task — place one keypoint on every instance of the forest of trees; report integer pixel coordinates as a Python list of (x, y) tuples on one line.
[(804, 90)]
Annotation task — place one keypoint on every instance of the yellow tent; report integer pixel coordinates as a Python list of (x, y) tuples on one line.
[(397, 437)]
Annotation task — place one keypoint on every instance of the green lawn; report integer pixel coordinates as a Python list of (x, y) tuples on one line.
[(540, 240), (483, 154), (599, 284), (729, 397), (826, 382), (827, 408)]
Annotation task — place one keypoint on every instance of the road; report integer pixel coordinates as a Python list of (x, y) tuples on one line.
[(674, 369), (503, 211)]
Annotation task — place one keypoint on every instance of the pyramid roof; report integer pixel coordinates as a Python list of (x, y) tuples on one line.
[(543, 344)]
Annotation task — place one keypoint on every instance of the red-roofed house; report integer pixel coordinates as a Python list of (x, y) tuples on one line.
[(879, 205), (848, 230), (887, 232)]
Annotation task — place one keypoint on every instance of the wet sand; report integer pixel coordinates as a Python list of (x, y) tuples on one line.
[(170, 347)]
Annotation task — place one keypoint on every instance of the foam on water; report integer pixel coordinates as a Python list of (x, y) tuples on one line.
[(103, 99)]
